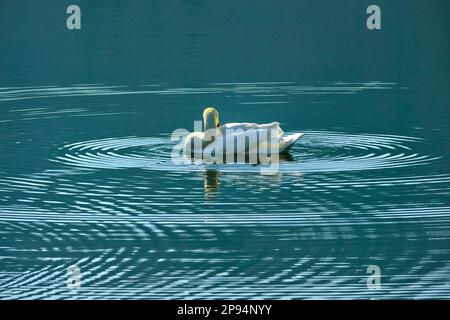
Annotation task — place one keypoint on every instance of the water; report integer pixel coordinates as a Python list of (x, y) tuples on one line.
[(86, 177)]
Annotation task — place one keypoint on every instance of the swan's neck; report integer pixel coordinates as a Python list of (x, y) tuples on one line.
[(210, 135), (209, 123)]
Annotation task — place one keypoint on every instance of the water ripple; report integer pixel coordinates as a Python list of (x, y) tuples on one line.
[(255, 88), (317, 151), (142, 227)]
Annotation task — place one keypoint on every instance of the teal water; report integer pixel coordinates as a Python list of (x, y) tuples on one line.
[(86, 177)]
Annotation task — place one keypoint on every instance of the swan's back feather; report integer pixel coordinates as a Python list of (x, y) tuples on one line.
[(241, 131)]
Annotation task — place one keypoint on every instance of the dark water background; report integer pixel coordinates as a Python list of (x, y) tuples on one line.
[(85, 171)]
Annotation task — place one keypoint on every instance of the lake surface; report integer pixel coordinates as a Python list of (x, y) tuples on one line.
[(86, 177)]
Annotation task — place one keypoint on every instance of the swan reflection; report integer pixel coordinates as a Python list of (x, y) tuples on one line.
[(212, 177), (211, 183)]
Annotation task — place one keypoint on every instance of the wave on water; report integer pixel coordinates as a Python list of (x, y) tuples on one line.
[(317, 151), (250, 88)]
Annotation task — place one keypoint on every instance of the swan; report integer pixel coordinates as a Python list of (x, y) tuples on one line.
[(237, 138)]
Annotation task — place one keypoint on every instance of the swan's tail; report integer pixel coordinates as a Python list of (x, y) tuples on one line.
[(287, 141)]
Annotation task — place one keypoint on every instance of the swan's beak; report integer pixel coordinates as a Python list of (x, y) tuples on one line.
[(218, 124)]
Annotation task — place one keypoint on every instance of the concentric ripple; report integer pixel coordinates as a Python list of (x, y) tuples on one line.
[(77, 189), (317, 151)]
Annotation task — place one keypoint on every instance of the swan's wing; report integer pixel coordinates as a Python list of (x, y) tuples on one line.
[(249, 137), (236, 141), (250, 126), (238, 125)]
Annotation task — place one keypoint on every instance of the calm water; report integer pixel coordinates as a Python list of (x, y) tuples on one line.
[(86, 177)]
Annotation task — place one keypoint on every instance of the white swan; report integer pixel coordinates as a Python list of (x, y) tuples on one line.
[(237, 138)]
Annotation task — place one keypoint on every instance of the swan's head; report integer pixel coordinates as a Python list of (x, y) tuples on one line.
[(210, 119)]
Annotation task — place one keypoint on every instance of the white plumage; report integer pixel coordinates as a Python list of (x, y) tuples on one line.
[(237, 138)]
